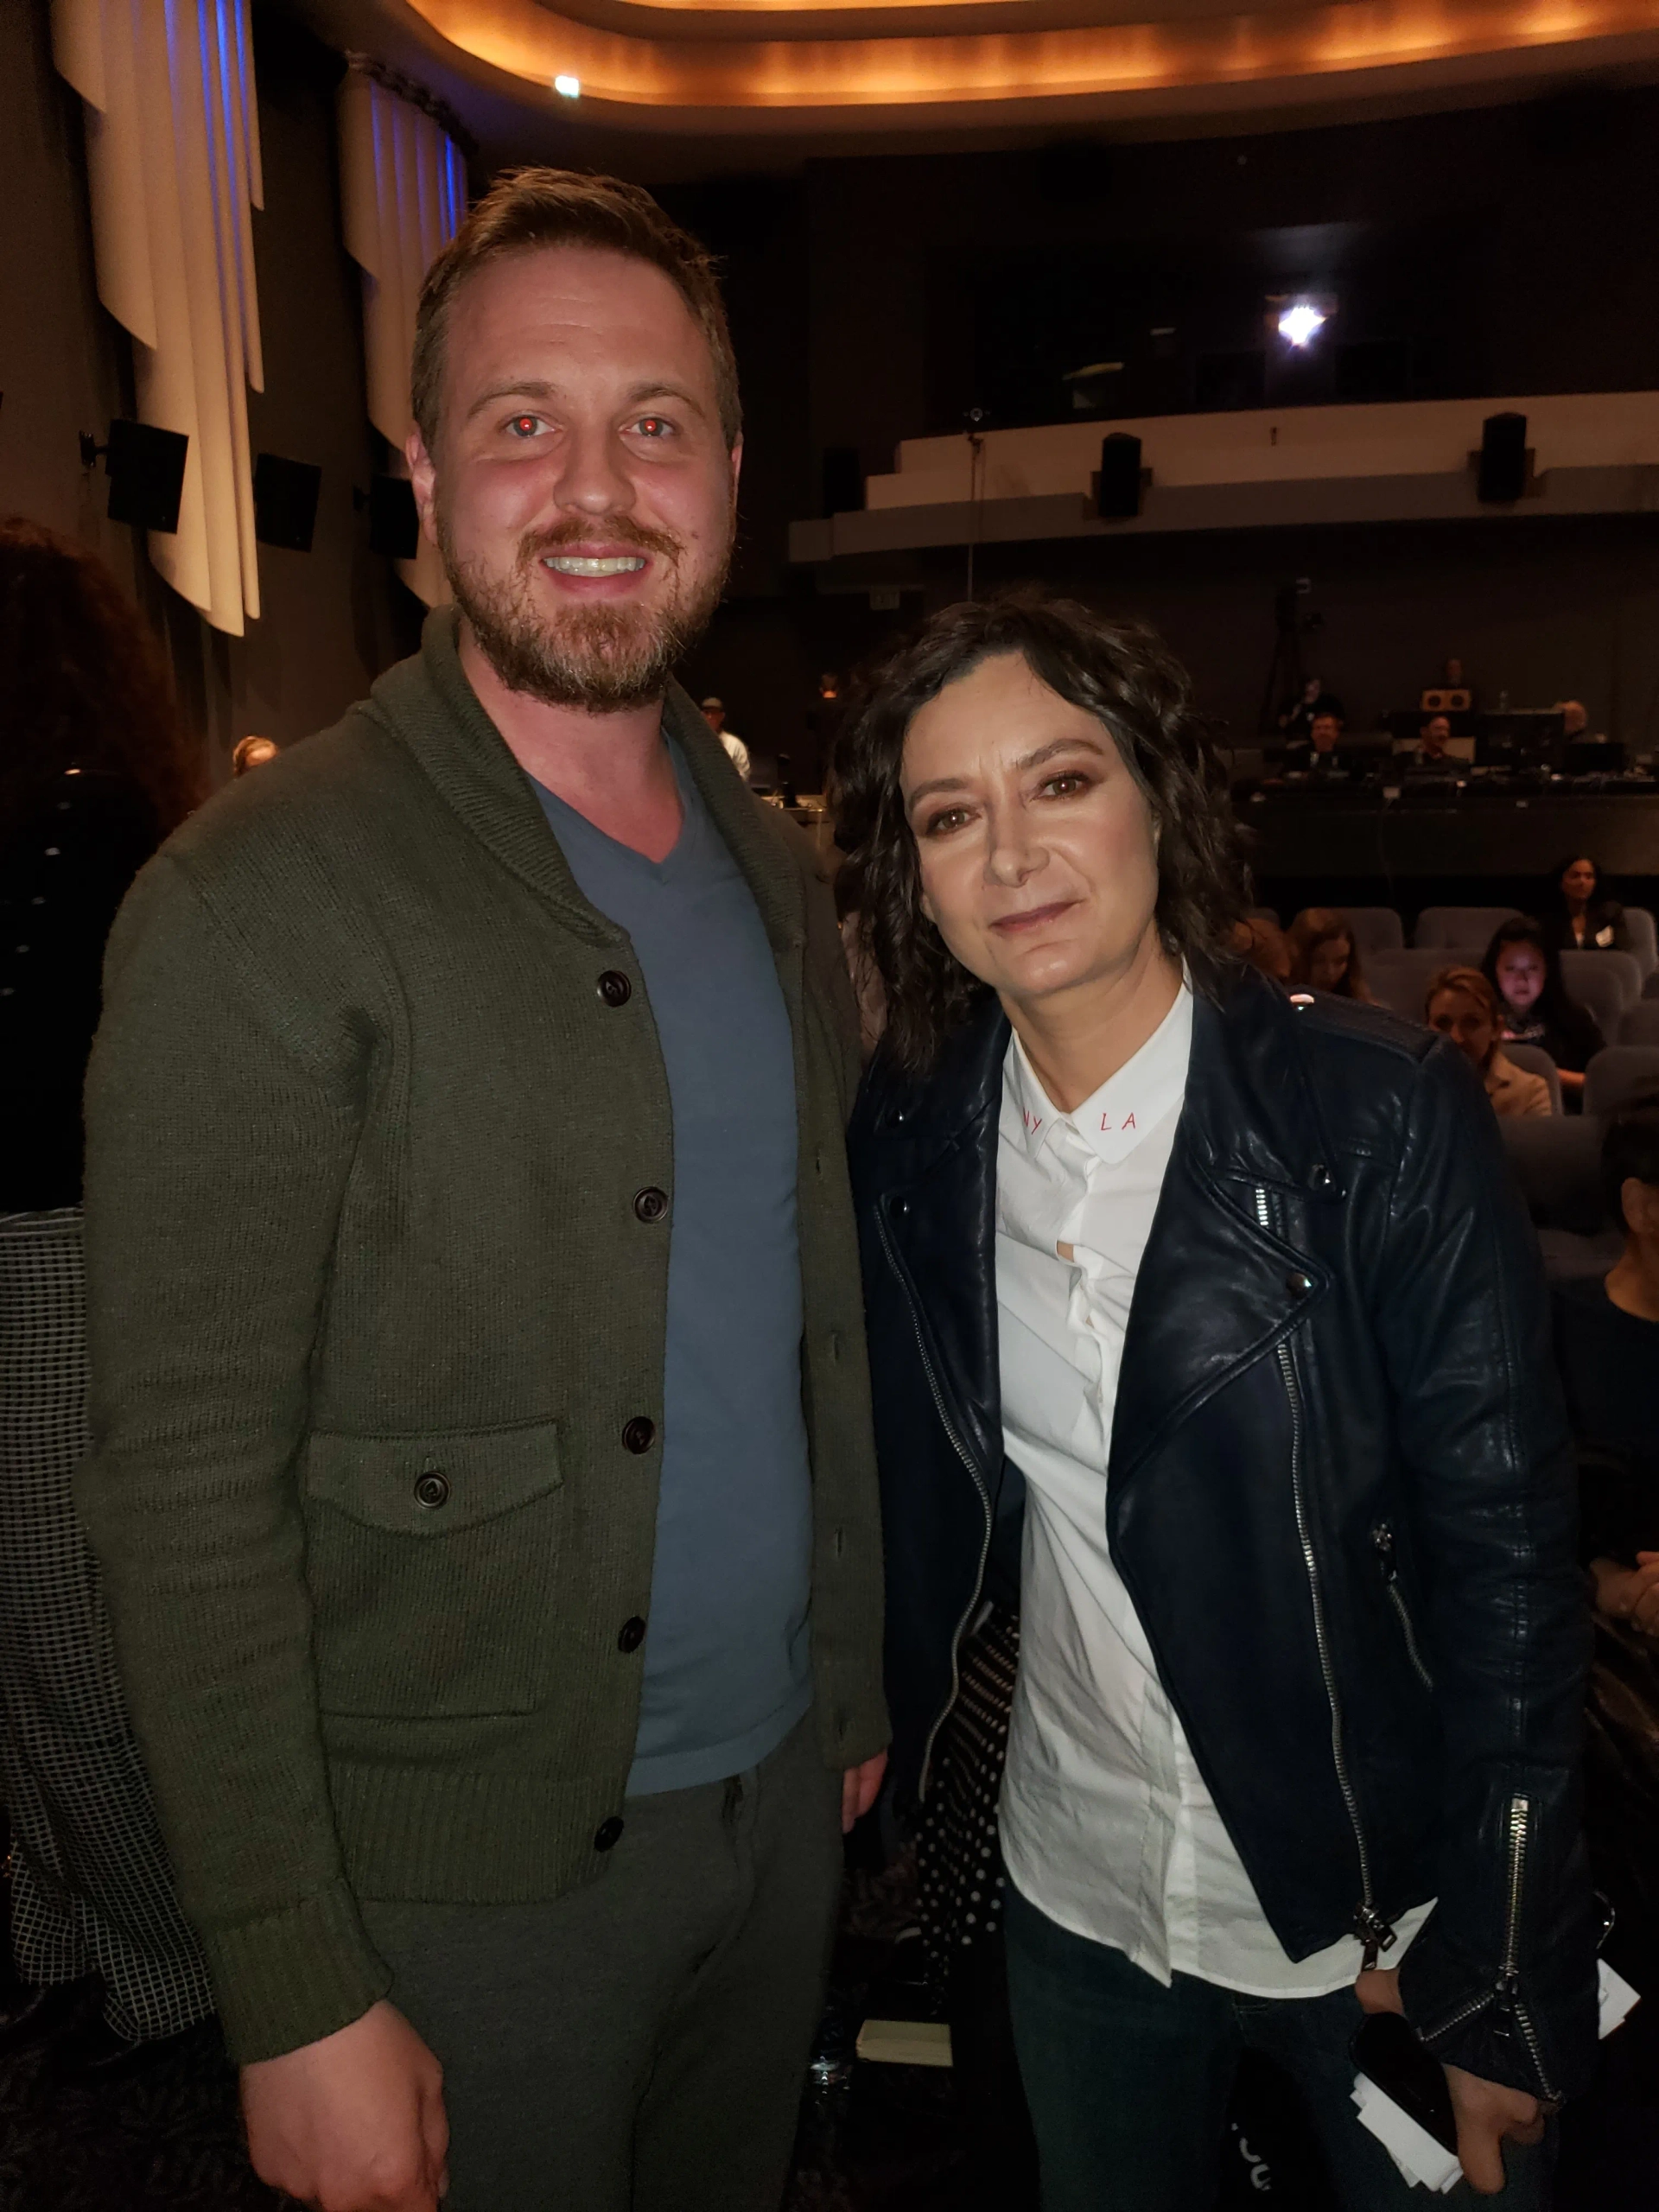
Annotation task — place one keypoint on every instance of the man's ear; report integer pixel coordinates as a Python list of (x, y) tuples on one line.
[(424, 475)]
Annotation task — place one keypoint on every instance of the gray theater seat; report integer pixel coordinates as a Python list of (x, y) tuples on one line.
[(1536, 1061), (1605, 982), (1377, 928), (1558, 1165), (1462, 929), (1398, 980), (1641, 1023), (1619, 1074), (1644, 945)]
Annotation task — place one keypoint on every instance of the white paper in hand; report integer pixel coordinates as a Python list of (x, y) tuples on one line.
[(1617, 1998), (1425, 2162)]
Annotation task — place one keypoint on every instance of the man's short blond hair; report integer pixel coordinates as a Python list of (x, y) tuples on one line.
[(527, 208)]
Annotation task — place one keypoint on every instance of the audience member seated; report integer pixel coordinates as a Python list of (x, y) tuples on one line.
[(1607, 1347), (1434, 741), (1607, 1341), (1575, 718), (1263, 944), (1524, 970), (96, 767), (1463, 1007), (714, 713), (1319, 747), (1325, 954), (1577, 918), (1315, 699)]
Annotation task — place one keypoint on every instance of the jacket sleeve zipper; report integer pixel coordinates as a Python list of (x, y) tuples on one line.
[(1382, 1543), (1374, 1931), (1507, 1990), (979, 1482)]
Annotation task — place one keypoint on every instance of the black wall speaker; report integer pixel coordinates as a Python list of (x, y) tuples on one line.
[(146, 473), (1117, 493), (1501, 475), (285, 501), (843, 480), (394, 520)]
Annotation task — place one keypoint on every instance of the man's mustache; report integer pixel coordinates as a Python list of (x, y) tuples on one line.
[(577, 535)]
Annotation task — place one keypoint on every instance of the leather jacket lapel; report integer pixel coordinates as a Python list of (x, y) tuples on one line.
[(1217, 1289), (1220, 1284)]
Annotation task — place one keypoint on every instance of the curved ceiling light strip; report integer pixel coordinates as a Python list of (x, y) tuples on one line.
[(744, 81)]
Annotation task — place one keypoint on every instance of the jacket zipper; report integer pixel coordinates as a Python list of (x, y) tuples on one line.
[(979, 1482), (1373, 1930), (1383, 1543), (1508, 1990)]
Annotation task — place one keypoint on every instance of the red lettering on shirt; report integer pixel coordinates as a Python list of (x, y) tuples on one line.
[(1032, 1122), (1105, 1123)]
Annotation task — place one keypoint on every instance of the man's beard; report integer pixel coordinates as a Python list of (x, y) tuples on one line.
[(603, 658)]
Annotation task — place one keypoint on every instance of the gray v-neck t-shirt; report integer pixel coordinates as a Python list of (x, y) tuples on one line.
[(726, 1657)]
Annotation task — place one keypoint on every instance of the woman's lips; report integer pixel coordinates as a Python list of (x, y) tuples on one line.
[(1031, 918)]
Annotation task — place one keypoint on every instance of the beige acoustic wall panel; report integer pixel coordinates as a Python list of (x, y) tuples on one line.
[(173, 162), (402, 195)]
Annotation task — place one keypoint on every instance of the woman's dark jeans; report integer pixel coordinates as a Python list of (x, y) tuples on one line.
[(1128, 2083)]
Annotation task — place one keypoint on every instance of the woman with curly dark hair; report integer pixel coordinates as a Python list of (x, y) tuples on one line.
[(1208, 1343), (94, 771)]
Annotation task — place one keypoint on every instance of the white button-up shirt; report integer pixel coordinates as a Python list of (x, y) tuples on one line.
[(1106, 1824)]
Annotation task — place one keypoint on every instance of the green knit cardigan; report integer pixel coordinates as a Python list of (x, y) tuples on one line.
[(377, 1336)]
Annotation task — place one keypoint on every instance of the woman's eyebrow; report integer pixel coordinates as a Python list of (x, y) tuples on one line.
[(1058, 745)]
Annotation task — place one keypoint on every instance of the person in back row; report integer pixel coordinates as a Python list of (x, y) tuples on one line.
[(714, 713), (1325, 956), (1607, 1341), (1578, 915), (482, 1470), (96, 766), (1211, 1324), (1524, 970), (1460, 1005)]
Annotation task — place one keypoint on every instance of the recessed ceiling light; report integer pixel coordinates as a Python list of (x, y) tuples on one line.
[(568, 88), (1300, 323)]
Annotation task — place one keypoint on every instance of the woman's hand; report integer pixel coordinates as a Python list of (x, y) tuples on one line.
[(1485, 2112), (1629, 1593)]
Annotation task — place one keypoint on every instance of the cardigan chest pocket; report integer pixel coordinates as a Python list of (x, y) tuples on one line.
[(432, 1563)]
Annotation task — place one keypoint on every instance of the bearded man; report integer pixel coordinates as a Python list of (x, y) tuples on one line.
[(482, 1474)]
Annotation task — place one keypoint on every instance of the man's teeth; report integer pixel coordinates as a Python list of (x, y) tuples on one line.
[(586, 564)]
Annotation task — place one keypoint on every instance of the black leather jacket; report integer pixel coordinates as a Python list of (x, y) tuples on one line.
[(1339, 1490)]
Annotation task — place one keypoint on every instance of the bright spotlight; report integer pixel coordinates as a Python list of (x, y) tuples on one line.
[(1301, 324), (568, 88)]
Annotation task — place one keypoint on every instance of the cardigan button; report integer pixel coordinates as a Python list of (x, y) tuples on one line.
[(609, 1834), (650, 1204), (631, 1635), (614, 987), (639, 1435), (432, 1490)]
